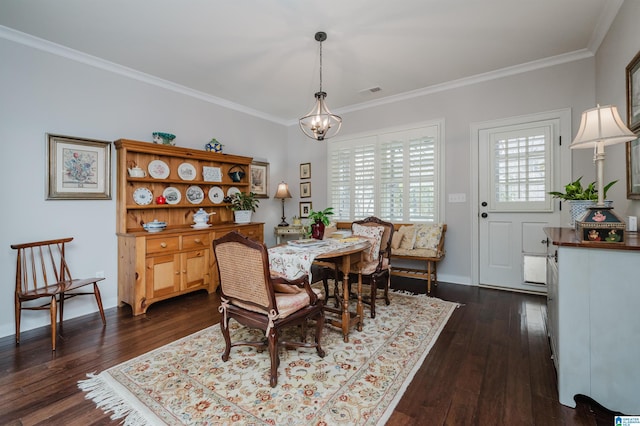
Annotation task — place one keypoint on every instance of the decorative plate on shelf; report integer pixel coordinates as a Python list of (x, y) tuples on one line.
[(216, 195), (186, 171), (232, 191), (142, 196), (172, 195), (195, 194), (211, 174), (158, 169)]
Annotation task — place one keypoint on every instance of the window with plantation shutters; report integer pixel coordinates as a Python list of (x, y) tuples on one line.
[(393, 176)]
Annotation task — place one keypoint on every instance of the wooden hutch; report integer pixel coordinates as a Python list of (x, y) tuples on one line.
[(153, 266)]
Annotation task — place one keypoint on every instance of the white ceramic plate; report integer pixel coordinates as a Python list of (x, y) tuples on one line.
[(172, 195), (232, 190), (216, 195), (186, 171), (195, 194), (211, 174), (142, 196), (158, 169)]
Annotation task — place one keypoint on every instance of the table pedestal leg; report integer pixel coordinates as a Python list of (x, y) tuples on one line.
[(346, 316)]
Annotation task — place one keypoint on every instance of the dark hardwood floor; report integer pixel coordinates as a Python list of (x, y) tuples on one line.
[(490, 366)]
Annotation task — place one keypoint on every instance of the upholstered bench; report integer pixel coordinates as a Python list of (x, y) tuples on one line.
[(422, 242)]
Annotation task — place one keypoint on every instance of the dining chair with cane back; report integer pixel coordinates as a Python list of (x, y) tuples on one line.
[(256, 299), (42, 272)]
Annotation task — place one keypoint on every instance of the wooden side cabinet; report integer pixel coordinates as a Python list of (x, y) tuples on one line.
[(179, 259)]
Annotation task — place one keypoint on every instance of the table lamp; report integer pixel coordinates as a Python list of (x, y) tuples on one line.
[(283, 192), (601, 126)]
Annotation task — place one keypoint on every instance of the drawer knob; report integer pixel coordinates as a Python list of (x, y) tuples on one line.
[(163, 244), (198, 241)]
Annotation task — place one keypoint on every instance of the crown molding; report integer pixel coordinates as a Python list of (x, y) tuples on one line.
[(468, 81), (75, 55)]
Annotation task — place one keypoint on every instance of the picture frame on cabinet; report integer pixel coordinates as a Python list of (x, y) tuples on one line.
[(305, 209), (305, 171), (259, 179), (305, 190), (633, 94), (633, 170), (78, 168)]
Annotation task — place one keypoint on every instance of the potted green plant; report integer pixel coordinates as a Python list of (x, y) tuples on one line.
[(243, 204), (318, 220), (580, 198)]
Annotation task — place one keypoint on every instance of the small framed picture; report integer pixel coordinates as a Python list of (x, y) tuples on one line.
[(305, 171), (305, 209), (633, 170), (78, 169), (259, 177), (305, 190), (633, 94)]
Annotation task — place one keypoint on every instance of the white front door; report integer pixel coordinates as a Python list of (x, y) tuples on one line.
[(519, 162)]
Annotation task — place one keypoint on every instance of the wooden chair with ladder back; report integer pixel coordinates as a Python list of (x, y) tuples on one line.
[(42, 272)]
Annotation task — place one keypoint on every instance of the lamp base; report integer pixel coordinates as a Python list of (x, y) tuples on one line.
[(283, 223), (601, 224)]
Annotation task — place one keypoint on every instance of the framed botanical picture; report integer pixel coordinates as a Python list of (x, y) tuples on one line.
[(305, 170), (633, 170), (78, 169), (305, 209), (633, 94), (259, 177), (305, 190)]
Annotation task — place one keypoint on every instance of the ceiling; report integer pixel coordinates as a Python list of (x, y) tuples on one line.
[(260, 56)]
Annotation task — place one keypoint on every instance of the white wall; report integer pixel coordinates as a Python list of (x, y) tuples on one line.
[(618, 48), (569, 85), (42, 93)]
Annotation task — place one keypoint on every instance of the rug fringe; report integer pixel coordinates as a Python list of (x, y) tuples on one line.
[(99, 391)]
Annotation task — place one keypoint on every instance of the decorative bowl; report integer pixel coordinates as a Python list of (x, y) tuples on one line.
[(154, 226), (163, 138)]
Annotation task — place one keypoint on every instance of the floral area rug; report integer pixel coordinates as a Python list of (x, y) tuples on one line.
[(356, 383)]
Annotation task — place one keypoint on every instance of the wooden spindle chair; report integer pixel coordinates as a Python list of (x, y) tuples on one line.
[(42, 273)]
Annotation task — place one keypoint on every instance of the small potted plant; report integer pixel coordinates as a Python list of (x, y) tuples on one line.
[(318, 221), (580, 198), (243, 204)]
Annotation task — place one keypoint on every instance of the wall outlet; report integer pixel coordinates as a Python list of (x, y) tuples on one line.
[(100, 274)]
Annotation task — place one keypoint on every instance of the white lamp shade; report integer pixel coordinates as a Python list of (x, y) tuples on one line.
[(601, 124)]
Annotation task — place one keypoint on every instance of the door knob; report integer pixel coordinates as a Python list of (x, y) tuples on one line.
[(484, 204), (484, 215)]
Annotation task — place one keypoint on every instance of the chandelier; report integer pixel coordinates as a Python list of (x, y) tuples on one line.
[(320, 123)]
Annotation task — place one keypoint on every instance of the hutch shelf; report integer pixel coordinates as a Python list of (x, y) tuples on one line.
[(153, 266)]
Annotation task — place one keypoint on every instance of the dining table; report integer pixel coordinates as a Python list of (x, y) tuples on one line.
[(295, 259)]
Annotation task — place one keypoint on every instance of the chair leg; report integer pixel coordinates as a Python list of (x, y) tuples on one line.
[(387, 285), (54, 321), (319, 327), (373, 284), (224, 327), (273, 354), (18, 308), (96, 293)]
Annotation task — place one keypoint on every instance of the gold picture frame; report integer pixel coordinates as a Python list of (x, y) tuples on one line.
[(78, 168), (259, 179), (633, 94), (305, 171), (305, 190), (305, 209)]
